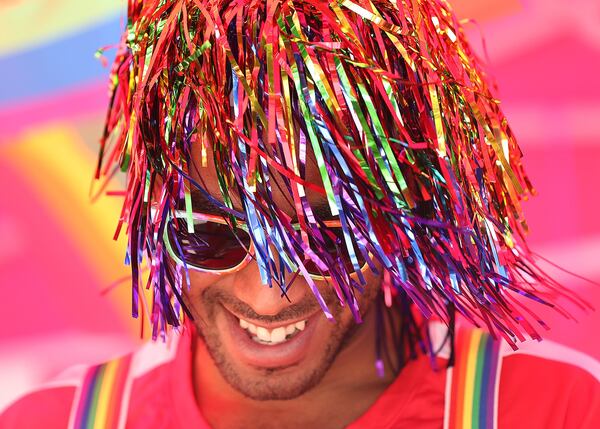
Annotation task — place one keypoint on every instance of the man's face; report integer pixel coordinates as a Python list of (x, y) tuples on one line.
[(267, 346)]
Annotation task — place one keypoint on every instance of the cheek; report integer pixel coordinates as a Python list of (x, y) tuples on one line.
[(372, 287), (199, 282)]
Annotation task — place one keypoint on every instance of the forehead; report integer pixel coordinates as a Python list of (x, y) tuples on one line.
[(282, 198)]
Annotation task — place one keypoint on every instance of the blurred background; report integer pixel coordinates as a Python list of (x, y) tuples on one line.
[(57, 255)]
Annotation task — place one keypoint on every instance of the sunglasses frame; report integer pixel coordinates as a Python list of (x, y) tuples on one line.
[(181, 214)]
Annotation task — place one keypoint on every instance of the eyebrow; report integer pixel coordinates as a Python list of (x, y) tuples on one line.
[(321, 211), (201, 203)]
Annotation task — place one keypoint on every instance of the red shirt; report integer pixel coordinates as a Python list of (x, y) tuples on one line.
[(543, 385)]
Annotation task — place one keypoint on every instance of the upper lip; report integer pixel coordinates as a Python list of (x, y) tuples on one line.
[(266, 324)]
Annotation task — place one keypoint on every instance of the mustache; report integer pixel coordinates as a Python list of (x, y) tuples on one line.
[(305, 307)]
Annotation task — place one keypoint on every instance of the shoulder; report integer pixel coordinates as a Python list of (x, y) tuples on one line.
[(60, 401), (49, 406), (556, 365), (549, 385)]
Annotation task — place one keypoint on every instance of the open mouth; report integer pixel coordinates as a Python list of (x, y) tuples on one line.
[(270, 345), (271, 337)]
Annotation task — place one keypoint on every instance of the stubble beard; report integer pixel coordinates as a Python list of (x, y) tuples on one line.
[(273, 384)]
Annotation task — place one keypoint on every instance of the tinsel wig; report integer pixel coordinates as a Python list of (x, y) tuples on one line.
[(415, 157)]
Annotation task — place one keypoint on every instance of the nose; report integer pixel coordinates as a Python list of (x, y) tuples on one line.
[(264, 299)]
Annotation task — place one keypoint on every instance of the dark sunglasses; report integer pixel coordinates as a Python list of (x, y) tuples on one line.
[(216, 246)]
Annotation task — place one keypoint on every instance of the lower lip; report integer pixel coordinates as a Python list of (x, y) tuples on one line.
[(280, 355)]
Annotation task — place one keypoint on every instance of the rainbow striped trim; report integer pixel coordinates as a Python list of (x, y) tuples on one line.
[(101, 395), (474, 377)]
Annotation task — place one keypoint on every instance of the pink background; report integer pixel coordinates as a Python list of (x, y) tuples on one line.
[(56, 251)]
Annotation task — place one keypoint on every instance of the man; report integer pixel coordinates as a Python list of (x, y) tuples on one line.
[(318, 187)]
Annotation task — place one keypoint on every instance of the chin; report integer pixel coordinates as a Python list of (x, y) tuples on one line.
[(272, 384), (281, 372)]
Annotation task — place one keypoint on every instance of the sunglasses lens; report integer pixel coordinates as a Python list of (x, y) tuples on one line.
[(333, 242), (213, 246)]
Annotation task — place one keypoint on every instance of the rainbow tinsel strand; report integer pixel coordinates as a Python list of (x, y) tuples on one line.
[(414, 153)]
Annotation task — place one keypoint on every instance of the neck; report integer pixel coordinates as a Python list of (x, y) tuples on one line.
[(346, 391)]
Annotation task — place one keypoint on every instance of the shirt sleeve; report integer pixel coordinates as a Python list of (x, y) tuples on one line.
[(48, 408), (541, 393), (583, 410)]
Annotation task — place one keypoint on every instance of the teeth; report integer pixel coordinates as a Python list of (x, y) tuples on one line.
[(278, 335), (262, 335), (290, 329)]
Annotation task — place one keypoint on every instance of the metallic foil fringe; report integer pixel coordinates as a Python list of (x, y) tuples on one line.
[(413, 151)]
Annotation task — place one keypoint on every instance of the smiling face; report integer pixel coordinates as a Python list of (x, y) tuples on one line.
[(265, 345), (414, 153)]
